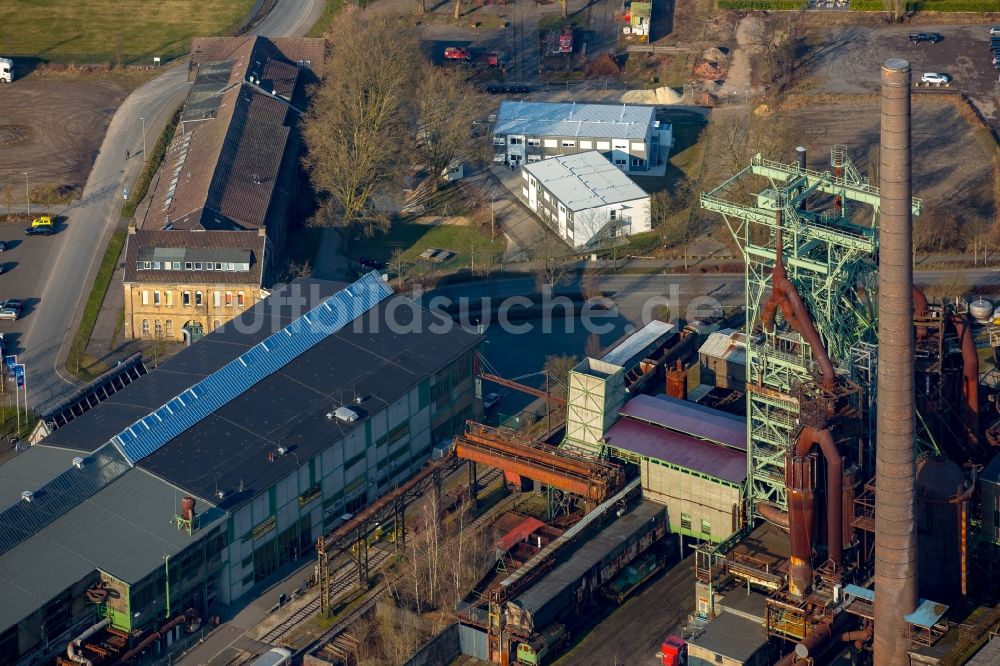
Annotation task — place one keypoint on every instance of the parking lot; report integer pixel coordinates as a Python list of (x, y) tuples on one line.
[(848, 60), (25, 261)]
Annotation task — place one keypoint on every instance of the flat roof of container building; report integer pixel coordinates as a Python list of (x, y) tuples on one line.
[(612, 121), (227, 449), (585, 180), (732, 636), (728, 344), (689, 418), (640, 343), (588, 555), (678, 448)]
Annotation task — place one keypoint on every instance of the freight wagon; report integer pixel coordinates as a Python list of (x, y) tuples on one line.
[(633, 576), (572, 583)]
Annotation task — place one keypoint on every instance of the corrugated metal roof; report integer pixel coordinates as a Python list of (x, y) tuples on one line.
[(928, 614), (690, 418), (732, 636), (860, 592), (640, 343), (111, 531), (587, 556), (727, 344), (22, 520), (31, 469), (611, 121), (585, 180), (519, 532), (267, 357), (678, 449)]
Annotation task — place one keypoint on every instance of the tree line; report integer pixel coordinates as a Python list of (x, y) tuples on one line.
[(381, 110)]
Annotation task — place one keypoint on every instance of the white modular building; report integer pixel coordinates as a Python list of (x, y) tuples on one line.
[(585, 199), (628, 135)]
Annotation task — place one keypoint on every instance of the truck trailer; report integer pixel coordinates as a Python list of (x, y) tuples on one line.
[(6, 70)]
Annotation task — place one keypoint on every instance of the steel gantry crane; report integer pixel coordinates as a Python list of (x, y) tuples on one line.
[(830, 255)]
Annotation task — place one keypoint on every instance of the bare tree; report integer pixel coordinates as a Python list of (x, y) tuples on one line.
[(564, 4), (421, 7), (894, 10), (557, 368), (356, 129), (551, 253), (445, 105), (458, 9), (593, 347)]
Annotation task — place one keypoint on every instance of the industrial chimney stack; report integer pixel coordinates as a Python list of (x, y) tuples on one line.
[(895, 472)]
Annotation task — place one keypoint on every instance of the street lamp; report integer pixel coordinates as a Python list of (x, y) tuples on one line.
[(27, 192), (143, 138), (493, 217)]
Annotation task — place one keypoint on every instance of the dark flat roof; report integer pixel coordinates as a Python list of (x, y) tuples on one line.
[(678, 449), (228, 449), (691, 418), (732, 636)]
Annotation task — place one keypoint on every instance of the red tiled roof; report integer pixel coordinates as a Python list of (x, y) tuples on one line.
[(223, 241)]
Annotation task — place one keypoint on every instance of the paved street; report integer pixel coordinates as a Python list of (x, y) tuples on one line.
[(72, 265)]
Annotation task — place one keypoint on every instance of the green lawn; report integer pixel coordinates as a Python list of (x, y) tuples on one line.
[(104, 31), (413, 239), (330, 8), (930, 5)]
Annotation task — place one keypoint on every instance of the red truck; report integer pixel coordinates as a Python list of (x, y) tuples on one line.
[(673, 652), (456, 53)]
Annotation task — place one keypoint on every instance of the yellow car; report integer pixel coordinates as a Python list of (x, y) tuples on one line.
[(43, 221)]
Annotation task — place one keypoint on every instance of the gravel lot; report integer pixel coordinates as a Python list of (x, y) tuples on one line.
[(848, 60), (66, 122)]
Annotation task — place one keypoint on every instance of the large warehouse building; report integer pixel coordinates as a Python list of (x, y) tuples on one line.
[(312, 403)]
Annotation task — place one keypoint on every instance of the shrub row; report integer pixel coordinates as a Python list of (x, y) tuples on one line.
[(763, 4), (929, 6), (152, 164)]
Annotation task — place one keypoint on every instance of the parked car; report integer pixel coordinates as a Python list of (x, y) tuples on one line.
[(368, 262), (931, 37), (995, 30), (934, 77), (38, 231), (3, 246), (490, 401), (9, 313), (42, 221), (14, 303)]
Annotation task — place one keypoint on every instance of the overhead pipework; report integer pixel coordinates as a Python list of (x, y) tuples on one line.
[(895, 520)]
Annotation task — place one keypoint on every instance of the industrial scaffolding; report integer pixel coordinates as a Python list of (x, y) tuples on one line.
[(830, 255)]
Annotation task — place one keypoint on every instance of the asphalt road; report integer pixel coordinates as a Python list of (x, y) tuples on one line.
[(72, 266)]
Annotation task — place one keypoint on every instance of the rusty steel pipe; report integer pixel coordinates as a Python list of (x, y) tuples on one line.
[(834, 486), (771, 513), (970, 373), (800, 485), (895, 471), (786, 296)]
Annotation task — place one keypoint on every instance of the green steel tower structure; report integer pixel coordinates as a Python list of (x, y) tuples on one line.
[(830, 251)]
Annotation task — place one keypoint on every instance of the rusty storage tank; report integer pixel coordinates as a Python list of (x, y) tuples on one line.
[(187, 507), (942, 518)]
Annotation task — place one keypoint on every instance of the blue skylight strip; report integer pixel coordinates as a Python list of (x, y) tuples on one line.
[(149, 433)]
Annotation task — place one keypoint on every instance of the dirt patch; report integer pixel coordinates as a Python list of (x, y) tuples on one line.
[(64, 123), (604, 65), (12, 134)]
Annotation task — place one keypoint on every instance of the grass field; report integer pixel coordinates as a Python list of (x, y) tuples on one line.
[(412, 239), (112, 31)]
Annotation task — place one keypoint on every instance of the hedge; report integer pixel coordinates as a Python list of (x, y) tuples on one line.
[(763, 4), (152, 164), (929, 6)]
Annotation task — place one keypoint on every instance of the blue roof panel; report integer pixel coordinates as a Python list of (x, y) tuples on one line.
[(148, 434)]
